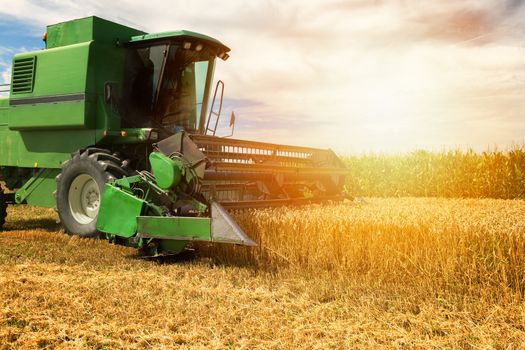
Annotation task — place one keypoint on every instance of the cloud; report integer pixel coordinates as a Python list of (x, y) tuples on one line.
[(5, 77), (354, 75), (5, 68)]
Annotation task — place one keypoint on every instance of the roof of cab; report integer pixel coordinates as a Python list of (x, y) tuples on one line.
[(179, 34), (101, 30)]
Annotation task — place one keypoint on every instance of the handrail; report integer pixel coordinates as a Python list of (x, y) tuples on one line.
[(5, 85), (220, 84)]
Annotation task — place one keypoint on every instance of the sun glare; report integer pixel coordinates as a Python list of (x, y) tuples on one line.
[(392, 103)]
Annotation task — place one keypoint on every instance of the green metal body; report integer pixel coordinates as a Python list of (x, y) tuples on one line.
[(118, 211), (168, 173), (57, 103), (177, 228), (39, 189), (61, 108), (142, 209), (120, 92)]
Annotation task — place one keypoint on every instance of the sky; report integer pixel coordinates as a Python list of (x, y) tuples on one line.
[(356, 76)]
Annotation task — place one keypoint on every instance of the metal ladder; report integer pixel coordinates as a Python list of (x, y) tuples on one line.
[(217, 115)]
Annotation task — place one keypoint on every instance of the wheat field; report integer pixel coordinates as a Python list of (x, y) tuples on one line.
[(393, 273)]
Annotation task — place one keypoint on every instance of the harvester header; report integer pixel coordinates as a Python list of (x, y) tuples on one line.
[(116, 129)]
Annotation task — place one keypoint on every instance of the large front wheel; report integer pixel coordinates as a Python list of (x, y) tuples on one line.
[(80, 186)]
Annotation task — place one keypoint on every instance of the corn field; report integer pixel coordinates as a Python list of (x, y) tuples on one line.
[(466, 174)]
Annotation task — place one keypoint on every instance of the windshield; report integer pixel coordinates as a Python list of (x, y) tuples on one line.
[(168, 86), (181, 91)]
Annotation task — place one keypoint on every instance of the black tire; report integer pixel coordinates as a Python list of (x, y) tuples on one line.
[(3, 208), (86, 171)]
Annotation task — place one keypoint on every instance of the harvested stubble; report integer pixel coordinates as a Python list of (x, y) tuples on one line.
[(392, 273)]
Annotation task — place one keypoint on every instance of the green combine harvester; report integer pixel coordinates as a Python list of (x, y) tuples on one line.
[(115, 128)]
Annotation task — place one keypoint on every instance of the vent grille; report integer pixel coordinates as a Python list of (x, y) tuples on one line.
[(23, 75)]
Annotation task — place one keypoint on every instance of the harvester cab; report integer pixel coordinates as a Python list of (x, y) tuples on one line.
[(114, 128), (167, 80)]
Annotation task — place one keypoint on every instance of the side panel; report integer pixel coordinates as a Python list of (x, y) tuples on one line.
[(58, 99), (64, 115), (66, 110), (41, 149)]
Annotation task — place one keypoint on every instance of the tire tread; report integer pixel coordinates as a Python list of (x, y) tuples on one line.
[(105, 162)]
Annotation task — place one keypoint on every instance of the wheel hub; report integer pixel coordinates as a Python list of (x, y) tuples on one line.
[(84, 199)]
